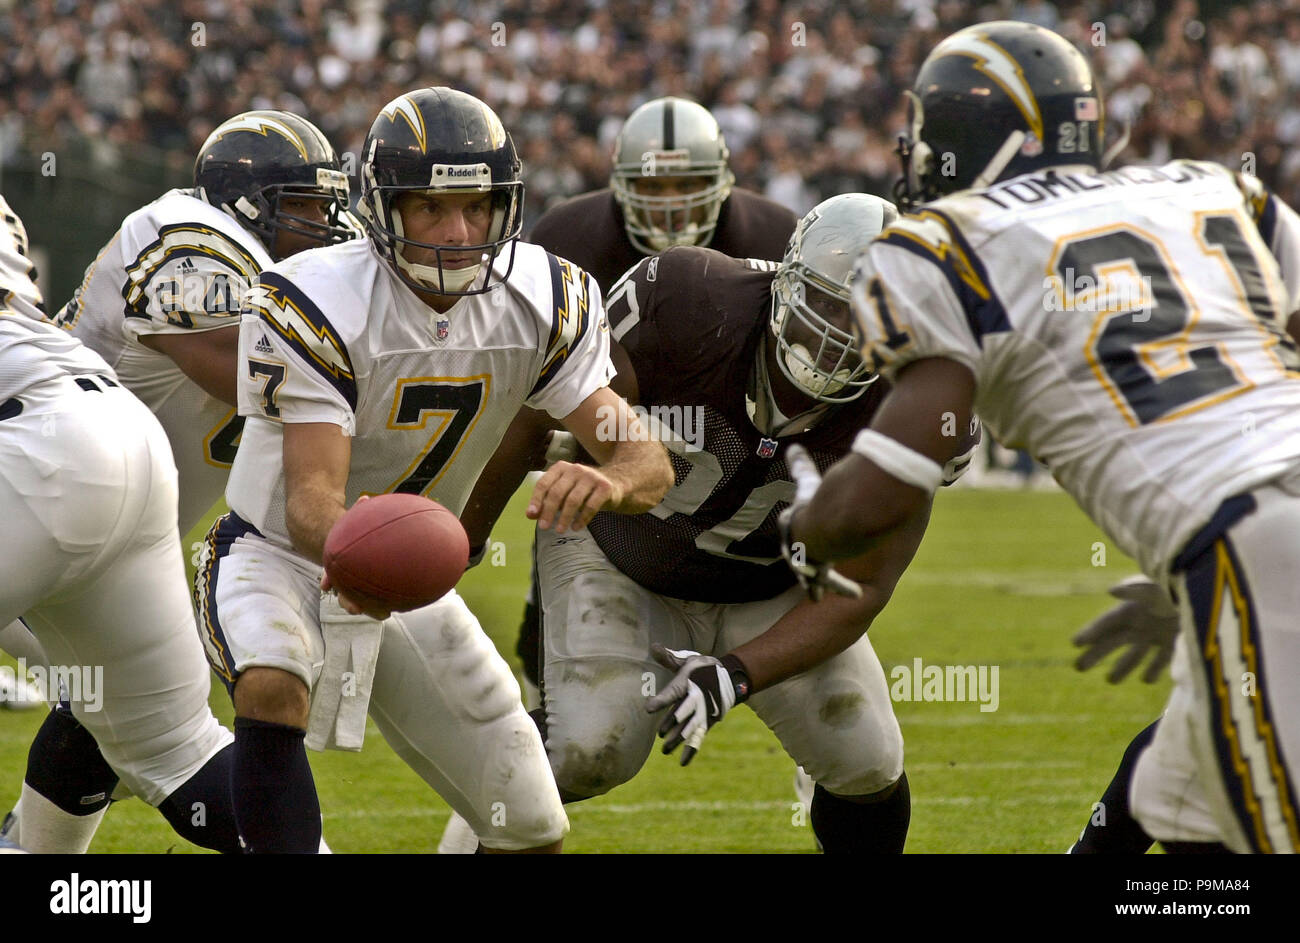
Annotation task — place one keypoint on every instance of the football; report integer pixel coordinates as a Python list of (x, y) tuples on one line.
[(402, 550)]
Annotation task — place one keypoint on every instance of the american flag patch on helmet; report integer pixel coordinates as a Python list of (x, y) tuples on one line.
[(1085, 109)]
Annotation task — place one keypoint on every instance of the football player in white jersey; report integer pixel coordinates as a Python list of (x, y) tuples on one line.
[(346, 354), (1127, 328), (93, 563), (160, 303)]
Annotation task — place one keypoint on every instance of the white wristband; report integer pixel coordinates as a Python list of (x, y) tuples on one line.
[(903, 463)]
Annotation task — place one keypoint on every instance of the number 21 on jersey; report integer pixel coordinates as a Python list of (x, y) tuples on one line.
[(1144, 311)]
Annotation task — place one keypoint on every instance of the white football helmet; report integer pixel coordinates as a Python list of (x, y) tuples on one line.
[(816, 347), (673, 138)]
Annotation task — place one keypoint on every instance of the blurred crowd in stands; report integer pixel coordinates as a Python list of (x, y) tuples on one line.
[(807, 91)]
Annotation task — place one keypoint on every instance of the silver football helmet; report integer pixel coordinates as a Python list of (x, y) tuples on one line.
[(816, 347), (676, 139)]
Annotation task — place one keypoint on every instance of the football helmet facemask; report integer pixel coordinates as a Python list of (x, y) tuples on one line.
[(255, 160), (993, 101), (811, 324), (677, 139), (441, 141)]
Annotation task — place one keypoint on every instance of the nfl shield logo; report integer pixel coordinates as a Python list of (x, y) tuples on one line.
[(766, 448), (443, 328)]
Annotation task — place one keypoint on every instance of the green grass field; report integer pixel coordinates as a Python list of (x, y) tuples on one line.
[(1003, 579)]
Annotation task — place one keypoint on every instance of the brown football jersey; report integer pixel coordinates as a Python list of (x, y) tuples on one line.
[(588, 230), (691, 320)]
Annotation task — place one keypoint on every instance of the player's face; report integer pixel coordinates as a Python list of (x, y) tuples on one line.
[(444, 219), (307, 208), (672, 217), (833, 311)]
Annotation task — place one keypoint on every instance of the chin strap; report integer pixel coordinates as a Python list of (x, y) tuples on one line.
[(452, 279), (1120, 143), (1000, 160)]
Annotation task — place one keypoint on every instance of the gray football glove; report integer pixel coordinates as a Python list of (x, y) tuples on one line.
[(1144, 621), (561, 446), (701, 692), (816, 578)]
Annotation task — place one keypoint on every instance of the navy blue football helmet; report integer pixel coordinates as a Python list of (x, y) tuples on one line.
[(255, 159), (441, 141), (997, 100)]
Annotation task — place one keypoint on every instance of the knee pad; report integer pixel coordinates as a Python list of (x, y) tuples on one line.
[(517, 804), (66, 767), (862, 771)]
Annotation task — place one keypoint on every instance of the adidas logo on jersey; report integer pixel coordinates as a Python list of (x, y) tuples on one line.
[(263, 346)]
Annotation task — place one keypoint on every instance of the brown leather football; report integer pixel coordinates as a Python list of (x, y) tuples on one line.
[(402, 550)]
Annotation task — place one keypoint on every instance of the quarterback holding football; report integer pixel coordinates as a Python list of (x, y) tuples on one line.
[(394, 364)]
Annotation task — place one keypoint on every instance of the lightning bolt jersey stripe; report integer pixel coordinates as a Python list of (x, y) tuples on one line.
[(1139, 354), (570, 301), (306, 331), (177, 265), (1279, 227), (180, 242), (933, 236), (331, 335)]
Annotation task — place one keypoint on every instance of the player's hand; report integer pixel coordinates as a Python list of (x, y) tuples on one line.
[(816, 578), (567, 496), (698, 696), (354, 603), (1145, 621)]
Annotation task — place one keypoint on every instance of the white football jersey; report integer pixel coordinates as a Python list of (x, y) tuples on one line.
[(1124, 327), (31, 350), (177, 265), (332, 335)]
